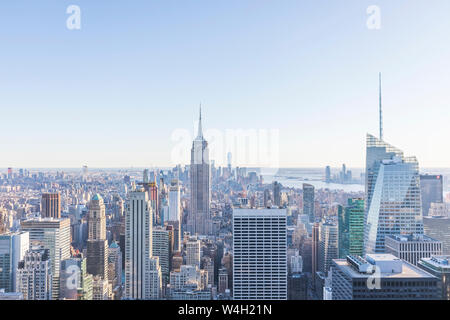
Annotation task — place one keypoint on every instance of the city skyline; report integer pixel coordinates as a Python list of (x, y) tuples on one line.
[(316, 83)]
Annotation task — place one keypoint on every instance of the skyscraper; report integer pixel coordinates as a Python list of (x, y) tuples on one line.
[(175, 218), (97, 244), (54, 235), (315, 250), (141, 269), (308, 201), (393, 204), (351, 228), (260, 254), (51, 205), (13, 247), (328, 246), (161, 249), (199, 217), (431, 188), (276, 194), (327, 174)]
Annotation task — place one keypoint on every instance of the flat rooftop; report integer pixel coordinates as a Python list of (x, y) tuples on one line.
[(408, 271)]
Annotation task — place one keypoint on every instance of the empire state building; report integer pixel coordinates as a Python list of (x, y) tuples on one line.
[(199, 216)]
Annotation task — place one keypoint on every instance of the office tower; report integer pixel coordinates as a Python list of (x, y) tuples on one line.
[(328, 246), (34, 275), (327, 174), (439, 266), (140, 268), (54, 235), (97, 245), (161, 249), (115, 265), (117, 207), (308, 201), (352, 279), (315, 250), (276, 194), (432, 191), (51, 205), (438, 228), (412, 248), (222, 280), (260, 254), (351, 228), (393, 204), (13, 247), (199, 217), (193, 252), (76, 282)]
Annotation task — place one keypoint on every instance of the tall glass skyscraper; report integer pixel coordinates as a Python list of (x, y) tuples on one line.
[(393, 204), (308, 201), (351, 228)]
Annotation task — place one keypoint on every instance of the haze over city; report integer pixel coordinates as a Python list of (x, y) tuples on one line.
[(112, 93)]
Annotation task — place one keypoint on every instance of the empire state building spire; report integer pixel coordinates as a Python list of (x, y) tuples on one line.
[(200, 132)]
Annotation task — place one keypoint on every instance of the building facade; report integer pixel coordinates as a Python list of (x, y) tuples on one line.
[(260, 254)]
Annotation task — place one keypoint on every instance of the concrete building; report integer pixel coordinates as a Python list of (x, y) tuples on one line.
[(142, 271), (412, 248), (381, 277), (193, 251), (259, 254)]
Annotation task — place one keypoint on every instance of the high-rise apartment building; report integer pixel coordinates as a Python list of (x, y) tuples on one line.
[(200, 178), (51, 205), (54, 235), (393, 204), (260, 254)]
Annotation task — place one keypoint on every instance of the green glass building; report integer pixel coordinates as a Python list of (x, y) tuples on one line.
[(351, 228)]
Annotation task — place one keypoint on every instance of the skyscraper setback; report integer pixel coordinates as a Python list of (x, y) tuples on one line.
[(200, 176)]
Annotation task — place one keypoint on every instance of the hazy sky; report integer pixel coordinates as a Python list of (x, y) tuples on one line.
[(116, 92)]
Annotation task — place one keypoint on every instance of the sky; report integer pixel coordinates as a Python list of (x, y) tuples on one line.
[(124, 89)]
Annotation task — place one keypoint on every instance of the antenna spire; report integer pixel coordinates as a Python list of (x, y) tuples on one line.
[(200, 131), (381, 112)]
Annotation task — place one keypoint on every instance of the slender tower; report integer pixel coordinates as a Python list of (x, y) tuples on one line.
[(198, 221)]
